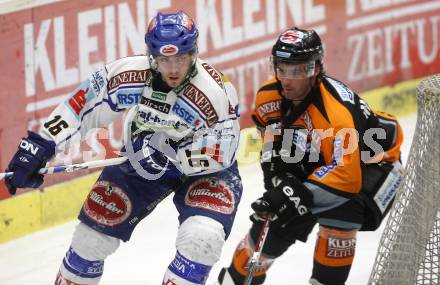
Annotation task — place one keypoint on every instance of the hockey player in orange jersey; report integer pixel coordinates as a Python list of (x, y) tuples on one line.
[(327, 159)]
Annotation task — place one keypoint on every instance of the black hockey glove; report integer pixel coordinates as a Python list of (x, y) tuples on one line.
[(33, 153), (286, 198), (293, 154), (274, 162)]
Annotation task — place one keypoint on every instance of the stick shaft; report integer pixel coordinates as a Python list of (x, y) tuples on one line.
[(253, 262), (74, 167)]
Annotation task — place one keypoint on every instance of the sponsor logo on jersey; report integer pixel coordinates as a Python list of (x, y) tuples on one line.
[(300, 139), (78, 101), (323, 171), (97, 81), (225, 133), (211, 194), (156, 105), (338, 149), (365, 108), (340, 248), (214, 74), (129, 76), (202, 102), (269, 107), (168, 50), (150, 119), (107, 204), (344, 92), (159, 95), (129, 98), (316, 142), (291, 37), (186, 114), (387, 191)]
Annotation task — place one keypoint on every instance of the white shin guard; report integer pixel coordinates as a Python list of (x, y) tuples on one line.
[(84, 261), (199, 244)]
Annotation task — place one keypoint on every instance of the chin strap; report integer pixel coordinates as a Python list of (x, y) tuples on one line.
[(290, 113)]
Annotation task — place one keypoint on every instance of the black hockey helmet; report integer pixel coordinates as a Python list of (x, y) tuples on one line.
[(298, 46)]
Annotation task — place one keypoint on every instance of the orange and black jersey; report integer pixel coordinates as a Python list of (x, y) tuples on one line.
[(339, 124)]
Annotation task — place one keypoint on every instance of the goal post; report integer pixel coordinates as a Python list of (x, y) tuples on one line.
[(409, 249)]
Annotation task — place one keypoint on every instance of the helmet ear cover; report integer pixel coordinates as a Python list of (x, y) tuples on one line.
[(170, 34)]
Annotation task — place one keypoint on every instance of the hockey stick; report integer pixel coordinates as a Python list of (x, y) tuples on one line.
[(74, 167), (252, 266)]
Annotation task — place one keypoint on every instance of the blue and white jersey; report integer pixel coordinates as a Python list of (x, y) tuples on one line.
[(200, 116)]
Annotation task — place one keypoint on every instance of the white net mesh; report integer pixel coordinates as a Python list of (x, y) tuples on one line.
[(409, 249)]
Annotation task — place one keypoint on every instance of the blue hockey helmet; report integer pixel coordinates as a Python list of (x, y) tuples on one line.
[(170, 34)]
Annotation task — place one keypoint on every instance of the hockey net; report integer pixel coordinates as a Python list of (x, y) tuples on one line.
[(409, 250)]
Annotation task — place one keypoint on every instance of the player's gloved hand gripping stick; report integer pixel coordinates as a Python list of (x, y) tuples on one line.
[(253, 261), (74, 167), (26, 167)]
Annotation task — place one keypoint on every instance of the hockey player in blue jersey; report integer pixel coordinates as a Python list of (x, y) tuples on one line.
[(181, 135)]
